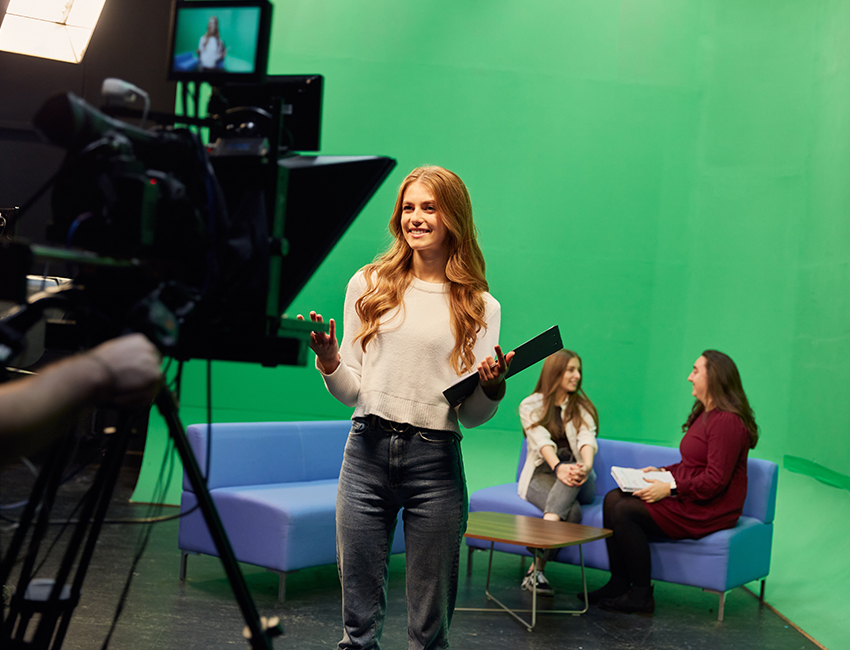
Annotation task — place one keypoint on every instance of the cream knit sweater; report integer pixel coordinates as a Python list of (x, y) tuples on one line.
[(405, 368)]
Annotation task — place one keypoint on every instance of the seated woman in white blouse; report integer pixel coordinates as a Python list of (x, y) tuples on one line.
[(560, 423)]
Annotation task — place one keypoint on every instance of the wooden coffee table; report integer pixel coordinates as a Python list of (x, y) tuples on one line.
[(534, 532)]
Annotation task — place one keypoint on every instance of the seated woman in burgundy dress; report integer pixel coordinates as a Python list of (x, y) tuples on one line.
[(708, 493)]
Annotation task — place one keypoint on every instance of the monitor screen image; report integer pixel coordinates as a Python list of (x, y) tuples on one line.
[(212, 40)]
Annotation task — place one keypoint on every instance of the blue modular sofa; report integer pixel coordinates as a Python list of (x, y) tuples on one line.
[(718, 562), (274, 486)]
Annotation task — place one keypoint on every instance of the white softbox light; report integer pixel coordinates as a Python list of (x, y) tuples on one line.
[(51, 29)]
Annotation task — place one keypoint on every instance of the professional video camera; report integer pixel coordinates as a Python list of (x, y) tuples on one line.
[(142, 217), (201, 253)]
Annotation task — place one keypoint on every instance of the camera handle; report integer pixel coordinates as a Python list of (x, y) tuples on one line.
[(53, 599)]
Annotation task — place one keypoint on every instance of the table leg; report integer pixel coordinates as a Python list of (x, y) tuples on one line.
[(501, 604), (513, 612), (583, 583), (534, 589)]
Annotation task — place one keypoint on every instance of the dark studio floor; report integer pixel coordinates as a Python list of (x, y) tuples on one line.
[(163, 613)]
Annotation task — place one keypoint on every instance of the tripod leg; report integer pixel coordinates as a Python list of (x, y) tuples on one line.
[(53, 599), (103, 488), (260, 638), (38, 490), (43, 495)]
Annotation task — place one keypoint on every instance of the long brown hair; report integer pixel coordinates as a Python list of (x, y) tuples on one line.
[(388, 277), (207, 34), (547, 385), (726, 392)]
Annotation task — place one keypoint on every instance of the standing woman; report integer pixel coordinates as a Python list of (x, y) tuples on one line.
[(560, 424), (708, 493), (211, 50), (415, 320)]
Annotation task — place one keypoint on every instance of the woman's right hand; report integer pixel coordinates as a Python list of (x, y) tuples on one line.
[(324, 345), (571, 474), (650, 469), (578, 473)]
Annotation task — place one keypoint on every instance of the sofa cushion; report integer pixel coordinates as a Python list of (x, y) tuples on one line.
[(720, 561), (282, 526)]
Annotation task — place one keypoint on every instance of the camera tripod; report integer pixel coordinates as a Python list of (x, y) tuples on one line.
[(41, 609)]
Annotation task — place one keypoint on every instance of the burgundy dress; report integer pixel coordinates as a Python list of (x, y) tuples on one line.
[(711, 478)]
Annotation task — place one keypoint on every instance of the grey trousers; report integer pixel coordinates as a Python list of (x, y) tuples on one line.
[(550, 495)]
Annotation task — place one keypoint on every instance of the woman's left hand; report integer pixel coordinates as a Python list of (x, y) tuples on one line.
[(577, 475), (491, 373), (655, 491), (570, 474)]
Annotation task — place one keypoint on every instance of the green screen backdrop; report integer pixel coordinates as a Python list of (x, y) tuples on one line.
[(657, 177)]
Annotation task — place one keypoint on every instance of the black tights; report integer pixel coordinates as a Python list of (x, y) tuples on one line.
[(628, 547)]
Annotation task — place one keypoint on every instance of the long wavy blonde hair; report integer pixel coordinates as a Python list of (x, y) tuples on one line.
[(213, 33), (389, 276)]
